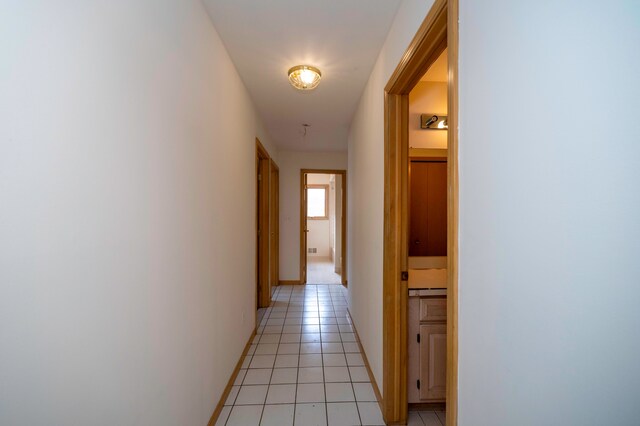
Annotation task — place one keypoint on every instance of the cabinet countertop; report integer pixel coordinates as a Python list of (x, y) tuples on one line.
[(416, 292)]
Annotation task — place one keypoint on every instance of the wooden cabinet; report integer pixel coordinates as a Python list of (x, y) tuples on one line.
[(427, 351), (428, 208), (433, 361), (433, 309)]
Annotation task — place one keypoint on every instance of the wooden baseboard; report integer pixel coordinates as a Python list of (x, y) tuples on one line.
[(428, 406), (376, 390), (289, 282), (227, 390)]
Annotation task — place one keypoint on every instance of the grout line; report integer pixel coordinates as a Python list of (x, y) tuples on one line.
[(295, 394), (353, 389), (324, 383), (265, 318), (275, 294), (328, 298)]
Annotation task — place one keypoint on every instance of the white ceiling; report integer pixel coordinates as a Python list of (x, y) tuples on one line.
[(341, 37)]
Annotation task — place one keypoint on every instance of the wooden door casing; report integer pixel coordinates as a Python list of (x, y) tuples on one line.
[(262, 226), (303, 221), (274, 250), (305, 233)]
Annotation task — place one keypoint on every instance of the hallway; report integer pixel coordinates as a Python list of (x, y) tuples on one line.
[(304, 366), (320, 270), (155, 163)]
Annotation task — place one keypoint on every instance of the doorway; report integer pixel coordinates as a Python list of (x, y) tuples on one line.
[(323, 218), (267, 230), (439, 31), (274, 217)]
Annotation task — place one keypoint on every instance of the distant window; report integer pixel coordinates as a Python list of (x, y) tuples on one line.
[(317, 201)]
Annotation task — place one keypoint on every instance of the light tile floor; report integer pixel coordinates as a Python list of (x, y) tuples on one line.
[(304, 366), (321, 270), (426, 418)]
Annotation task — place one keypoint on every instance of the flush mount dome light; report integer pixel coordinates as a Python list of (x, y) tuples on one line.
[(304, 77)]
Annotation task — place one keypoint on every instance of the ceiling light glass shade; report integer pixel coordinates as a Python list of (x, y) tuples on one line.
[(304, 77)]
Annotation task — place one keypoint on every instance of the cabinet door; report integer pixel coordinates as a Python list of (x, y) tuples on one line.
[(433, 361), (413, 351), (428, 209), (433, 309)]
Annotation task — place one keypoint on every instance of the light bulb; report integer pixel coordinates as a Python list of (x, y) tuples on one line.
[(307, 76)]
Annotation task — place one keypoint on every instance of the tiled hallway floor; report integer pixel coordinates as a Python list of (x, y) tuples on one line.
[(426, 418), (304, 366), (321, 270)]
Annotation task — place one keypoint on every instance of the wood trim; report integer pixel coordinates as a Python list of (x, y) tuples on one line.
[(232, 379), (453, 215), (343, 239), (303, 217), (428, 406), (289, 282), (427, 153), (262, 217), (323, 171), (261, 149), (395, 292), (274, 231), (428, 43), (438, 31), (303, 230), (326, 202), (428, 159)]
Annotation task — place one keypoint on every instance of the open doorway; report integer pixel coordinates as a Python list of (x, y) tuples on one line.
[(323, 227), (263, 293), (427, 244), (437, 315), (267, 227)]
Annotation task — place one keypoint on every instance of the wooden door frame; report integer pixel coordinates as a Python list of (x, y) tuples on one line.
[(274, 231), (303, 221), (263, 291), (438, 30)]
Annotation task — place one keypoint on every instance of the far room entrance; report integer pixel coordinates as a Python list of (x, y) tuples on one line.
[(323, 227)]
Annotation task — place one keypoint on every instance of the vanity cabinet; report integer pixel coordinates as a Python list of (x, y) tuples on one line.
[(427, 351), (433, 361)]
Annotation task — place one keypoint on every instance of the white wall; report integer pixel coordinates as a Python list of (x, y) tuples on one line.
[(290, 163), (319, 235), (549, 213), (549, 230), (365, 187), (126, 289)]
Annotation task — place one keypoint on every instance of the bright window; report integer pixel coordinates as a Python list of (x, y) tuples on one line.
[(317, 197)]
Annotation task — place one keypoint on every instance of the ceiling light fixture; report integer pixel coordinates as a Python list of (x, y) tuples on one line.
[(304, 77)]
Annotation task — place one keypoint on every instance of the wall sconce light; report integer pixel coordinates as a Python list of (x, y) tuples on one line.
[(434, 122)]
